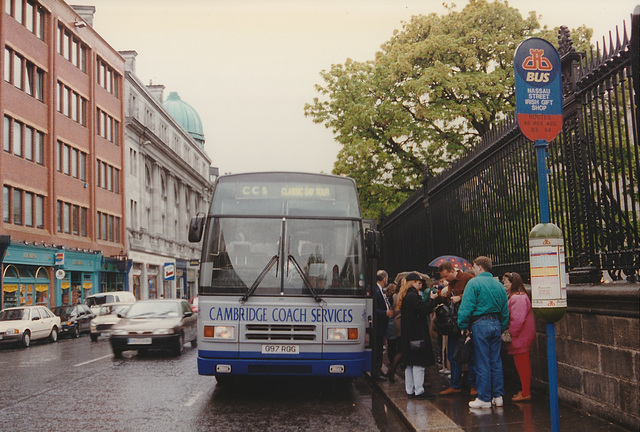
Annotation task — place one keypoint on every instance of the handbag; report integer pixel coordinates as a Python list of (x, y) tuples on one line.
[(464, 349), (417, 345), (506, 336)]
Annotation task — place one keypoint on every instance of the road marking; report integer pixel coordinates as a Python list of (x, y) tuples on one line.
[(91, 361), (193, 399)]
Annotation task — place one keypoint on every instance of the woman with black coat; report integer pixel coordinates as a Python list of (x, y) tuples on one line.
[(417, 352)]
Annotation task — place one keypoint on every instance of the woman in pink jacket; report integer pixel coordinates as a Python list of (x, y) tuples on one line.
[(522, 329)]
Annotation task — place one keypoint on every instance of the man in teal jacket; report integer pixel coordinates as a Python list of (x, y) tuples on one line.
[(485, 311)]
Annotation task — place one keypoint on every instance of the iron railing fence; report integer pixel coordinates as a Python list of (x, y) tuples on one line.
[(487, 202)]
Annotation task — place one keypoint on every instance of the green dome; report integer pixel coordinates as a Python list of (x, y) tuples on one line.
[(186, 116)]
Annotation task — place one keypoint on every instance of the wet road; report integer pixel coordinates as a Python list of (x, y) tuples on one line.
[(77, 385)]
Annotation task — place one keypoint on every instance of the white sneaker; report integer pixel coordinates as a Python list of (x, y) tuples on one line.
[(477, 403), (497, 401)]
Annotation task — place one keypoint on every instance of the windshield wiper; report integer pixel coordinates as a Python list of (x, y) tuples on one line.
[(259, 279), (304, 279)]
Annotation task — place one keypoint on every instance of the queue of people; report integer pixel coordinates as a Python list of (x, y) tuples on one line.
[(485, 310)]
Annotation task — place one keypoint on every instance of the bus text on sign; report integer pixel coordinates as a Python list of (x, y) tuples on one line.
[(538, 89)]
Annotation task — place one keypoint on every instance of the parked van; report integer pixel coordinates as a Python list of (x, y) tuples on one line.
[(94, 301)]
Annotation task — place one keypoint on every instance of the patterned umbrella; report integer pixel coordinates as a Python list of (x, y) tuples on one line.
[(403, 275), (459, 263)]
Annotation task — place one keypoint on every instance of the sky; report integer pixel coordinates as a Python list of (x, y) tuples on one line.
[(249, 66)]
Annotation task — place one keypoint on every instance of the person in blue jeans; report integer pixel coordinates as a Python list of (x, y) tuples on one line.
[(457, 281), (485, 311)]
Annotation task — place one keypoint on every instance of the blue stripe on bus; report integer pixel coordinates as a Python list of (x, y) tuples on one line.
[(270, 366)]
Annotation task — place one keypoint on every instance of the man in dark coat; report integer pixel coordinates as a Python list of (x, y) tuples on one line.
[(383, 313), (414, 318)]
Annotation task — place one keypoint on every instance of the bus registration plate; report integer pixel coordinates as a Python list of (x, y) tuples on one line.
[(280, 349)]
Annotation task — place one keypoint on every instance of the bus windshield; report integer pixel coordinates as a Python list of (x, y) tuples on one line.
[(276, 255), (285, 234)]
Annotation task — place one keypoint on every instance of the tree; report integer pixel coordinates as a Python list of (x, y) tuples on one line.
[(430, 93)]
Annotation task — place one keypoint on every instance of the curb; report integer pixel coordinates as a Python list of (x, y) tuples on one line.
[(416, 415)]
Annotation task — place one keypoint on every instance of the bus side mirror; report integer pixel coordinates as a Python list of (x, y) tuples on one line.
[(196, 226), (372, 243)]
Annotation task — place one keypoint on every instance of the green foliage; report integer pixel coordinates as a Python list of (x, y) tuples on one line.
[(430, 93)]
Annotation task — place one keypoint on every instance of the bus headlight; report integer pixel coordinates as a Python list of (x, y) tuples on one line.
[(342, 334), (220, 332)]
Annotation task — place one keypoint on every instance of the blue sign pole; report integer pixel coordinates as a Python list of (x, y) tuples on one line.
[(552, 363), (539, 114)]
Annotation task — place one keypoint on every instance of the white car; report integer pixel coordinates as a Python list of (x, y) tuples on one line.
[(23, 324), (106, 318)]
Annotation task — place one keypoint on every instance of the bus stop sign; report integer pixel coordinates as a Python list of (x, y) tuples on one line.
[(538, 89)]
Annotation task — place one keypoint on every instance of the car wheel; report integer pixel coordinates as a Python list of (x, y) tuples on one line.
[(53, 337), (194, 343), (94, 337), (179, 345), (117, 353), (76, 332), (26, 339)]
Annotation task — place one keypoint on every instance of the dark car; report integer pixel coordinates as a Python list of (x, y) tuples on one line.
[(74, 319), (155, 324)]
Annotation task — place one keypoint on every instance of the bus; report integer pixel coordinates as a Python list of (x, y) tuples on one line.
[(283, 284)]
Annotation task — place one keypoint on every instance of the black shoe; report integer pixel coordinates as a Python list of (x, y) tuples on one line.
[(378, 377), (425, 396), (411, 396), (391, 378), (383, 374)]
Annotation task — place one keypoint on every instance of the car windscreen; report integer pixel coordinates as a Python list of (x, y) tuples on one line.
[(63, 311), (153, 310), (14, 315)]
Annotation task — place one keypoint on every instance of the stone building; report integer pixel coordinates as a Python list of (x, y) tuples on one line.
[(167, 183)]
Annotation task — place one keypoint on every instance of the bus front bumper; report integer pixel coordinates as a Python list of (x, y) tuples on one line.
[(336, 367)]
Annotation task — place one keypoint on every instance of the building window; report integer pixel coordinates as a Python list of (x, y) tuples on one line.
[(71, 104), (6, 141), (25, 141), (71, 161), (28, 209), (17, 207), (28, 143), (71, 48), (20, 207), (108, 228), (71, 219), (30, 14), (23, 74), (107, 77), (39, 211), (17, 138), (107, 127), (39, 147), (6, 204)]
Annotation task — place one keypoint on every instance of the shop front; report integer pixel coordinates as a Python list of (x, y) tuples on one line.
[(151, 276), (27, 275), (77, 276), (114, 273)]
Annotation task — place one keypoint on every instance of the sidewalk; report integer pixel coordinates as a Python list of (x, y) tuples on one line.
[(452, 413)]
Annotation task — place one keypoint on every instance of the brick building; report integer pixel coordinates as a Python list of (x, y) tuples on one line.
[(61, 167)]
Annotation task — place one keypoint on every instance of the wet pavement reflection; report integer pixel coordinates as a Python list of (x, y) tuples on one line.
[(452, 413)]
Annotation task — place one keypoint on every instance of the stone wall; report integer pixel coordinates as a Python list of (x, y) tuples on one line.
[(598, 353)]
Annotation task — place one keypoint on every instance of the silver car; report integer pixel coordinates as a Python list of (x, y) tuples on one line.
[(155, 324)]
